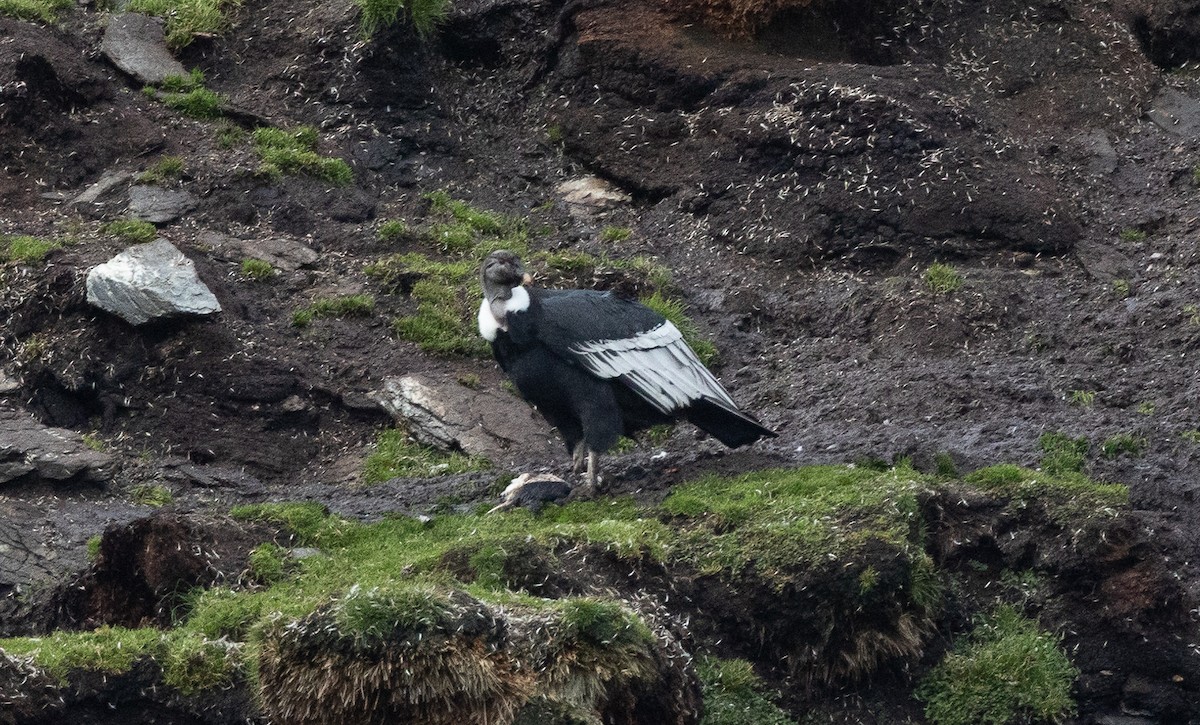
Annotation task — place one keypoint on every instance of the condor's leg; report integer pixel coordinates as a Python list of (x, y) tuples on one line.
[(592, 478), (578, 457)]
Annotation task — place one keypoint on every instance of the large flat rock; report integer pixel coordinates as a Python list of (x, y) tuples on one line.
[(32, 451), (448, 415), (136, 44)]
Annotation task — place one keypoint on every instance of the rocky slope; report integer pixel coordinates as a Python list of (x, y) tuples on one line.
[(797, 184)]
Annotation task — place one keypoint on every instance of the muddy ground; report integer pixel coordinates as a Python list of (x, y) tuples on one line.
[(797, 184)]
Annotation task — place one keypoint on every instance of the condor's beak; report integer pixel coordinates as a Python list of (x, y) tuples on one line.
[(527, 279)]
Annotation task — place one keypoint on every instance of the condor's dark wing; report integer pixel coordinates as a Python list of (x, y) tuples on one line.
[(615, 338)]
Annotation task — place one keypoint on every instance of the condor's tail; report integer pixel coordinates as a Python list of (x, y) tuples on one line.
[(730, 426)]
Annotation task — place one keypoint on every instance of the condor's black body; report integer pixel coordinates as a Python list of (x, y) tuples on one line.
[(598, 366)]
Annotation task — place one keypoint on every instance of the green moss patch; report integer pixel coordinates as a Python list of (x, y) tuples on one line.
[(187, 18), (131, 231), (344, 306), (46, 11), (424, 15), (396, 455), (735, 695), (1065, 496), (295, 152), (189, 662), (26, 249), (1007, 671)]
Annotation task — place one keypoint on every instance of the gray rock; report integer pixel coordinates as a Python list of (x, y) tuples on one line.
[(30, 449), (148, 282), (283, 253), (8, 384), (94, 194), (1176, 113), (450, 416), (136, 44), (158, 205)]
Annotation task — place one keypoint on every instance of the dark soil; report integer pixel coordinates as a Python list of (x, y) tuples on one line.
[(797, 184)]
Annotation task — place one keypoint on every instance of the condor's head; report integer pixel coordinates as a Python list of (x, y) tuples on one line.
[(501, 272)]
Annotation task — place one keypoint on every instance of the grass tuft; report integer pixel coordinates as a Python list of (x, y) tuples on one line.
[(163, 171), (1006, 671), (345, 306), (131, 231), (149, 494), (1123, 444), (425, 15), (26, 249), (942, 279), (735, 695), (45, 11), (257, 269), (295, 152), (187, 19), (1061, 454), (398, 456)]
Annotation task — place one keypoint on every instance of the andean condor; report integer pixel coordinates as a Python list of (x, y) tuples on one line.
[(598, 366)]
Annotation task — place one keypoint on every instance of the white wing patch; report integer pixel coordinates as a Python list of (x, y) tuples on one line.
[(658, 365), (491, 322)]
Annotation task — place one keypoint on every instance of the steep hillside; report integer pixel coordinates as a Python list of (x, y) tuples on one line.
[(926, 232)]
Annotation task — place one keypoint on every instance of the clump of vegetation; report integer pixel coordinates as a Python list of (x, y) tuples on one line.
[(392, 230), (345, 306), (615, 234), (26, 249), (470, 381), (190, 662), (398, 456), (295, 152), (1123, 444), (188, 95), (45, 11), (1146, 407), (187, 19), (131, 231), (1061, 454), (1082, 398), (1007, 671), (267, 562), (1192, 435), (257, 269), (425, 15), (1120, 288), (944, 466), (93, 548), (149, 494), (1132, 234), (163, 171), (1066, 496), (942, 279), (735, 695), (1192, 313), (230, 135)]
